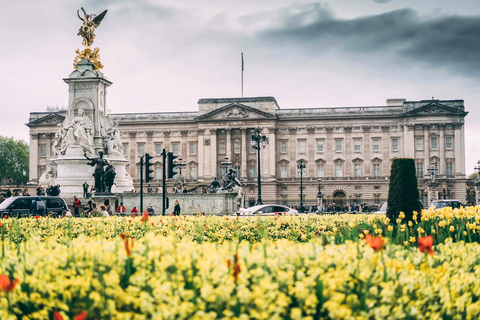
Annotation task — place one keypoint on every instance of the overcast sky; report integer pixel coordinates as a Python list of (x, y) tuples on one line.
[(165, 55)]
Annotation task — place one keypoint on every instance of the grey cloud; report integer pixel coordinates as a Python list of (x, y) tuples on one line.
[(444, 41), (382, 1)]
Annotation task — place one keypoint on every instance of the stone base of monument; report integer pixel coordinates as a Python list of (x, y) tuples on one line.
[(100, 198), (190, 203)]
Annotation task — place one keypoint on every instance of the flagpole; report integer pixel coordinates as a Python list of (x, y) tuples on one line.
[(242, 74)]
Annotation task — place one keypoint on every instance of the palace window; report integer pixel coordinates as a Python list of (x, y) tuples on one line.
[(376, 170), (158, 173), (236, 147), (193, 173), (252, 173), (43, 151), (125, 149), (283, 146), (338, 170), (376, 144), (221, 147), (175, 148), (320, 171), (433, 142), (158, 149), (141, 149), (375, 128), (449, 169), (448, 143), (358, 170), (394, 144), (320, 145), (301, 146), (356, 145), (283, 171), (338, 145), (419, 170), (419, 143), (193, 148), (357, 128)]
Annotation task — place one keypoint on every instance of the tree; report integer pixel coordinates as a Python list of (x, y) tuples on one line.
[(403, 192), (14, 157), (473, 176)]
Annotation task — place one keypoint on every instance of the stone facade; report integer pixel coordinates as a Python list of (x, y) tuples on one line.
[(349, 148)]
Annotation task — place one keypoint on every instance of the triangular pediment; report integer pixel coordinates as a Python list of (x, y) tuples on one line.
[(434, 108), (51, 119), (235, 111)]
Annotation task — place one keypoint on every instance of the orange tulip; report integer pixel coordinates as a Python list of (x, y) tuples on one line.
[(6, 285), (375, 243), (145, 216), (57, 316), (425, 245)]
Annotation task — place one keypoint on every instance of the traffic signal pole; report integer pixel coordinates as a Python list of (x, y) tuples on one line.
[(141, 185), (164, 184)]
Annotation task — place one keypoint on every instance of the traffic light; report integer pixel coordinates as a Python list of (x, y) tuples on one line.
[(148, 169), (171, 165)]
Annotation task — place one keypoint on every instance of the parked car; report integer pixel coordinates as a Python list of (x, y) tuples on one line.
[(454, 203), (20, 206), (267, 210)]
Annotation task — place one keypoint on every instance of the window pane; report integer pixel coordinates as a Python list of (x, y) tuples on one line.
[(376, 144), (419, 170), (338, 145), (283, 146), (319, 145), (419, 144), (434, 142), (283, 172), (252, 172), (395, 144), (158, 149), (448, 142), (358, 170), (125, 148), (221, 147), (338, 170), (320, 171), (376, 170), (236, 147), (43, 151), (193, 148), (449, 169), (141, 149), (158, 173), (356, 145), (193, 173), (175, 148), (301, 146)]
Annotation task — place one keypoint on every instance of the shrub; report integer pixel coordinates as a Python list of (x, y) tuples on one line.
[(403, 190)]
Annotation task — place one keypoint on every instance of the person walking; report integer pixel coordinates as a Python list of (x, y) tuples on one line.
[(39, 208), (85, 189), (76, 206), (176, 209)]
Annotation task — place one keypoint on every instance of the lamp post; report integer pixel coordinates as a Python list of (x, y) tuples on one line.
[(432, 185), (258, 142), (477, 182), (180, 166), (226, 164), (301, 167), (320, 195)]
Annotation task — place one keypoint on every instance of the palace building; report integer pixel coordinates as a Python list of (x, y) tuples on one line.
[(349, 148)]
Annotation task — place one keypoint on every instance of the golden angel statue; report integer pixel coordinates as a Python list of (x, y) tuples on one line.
[(90, 23)]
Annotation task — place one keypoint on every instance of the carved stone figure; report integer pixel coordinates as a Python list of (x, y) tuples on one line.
[(230, 181), (179, 184), (240, 195), (100, 163), (109, 177), (80, 132), (48, 177), (59, 145), (235, 113)]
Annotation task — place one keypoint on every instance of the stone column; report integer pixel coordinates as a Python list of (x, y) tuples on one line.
[(329, 167), (348, 152), (432, 192), (149, 147), (184, 146), (33, 162), (206, 155), (366, 151), (50, 137), (213, 152), (462, 150), (166, 141), (228, 144), (292, 151), (272, 150), (132, 144), (243, 135), (264, 154), (409, 141), (426, 146), (442, 169), (385, 151), (201, 160)]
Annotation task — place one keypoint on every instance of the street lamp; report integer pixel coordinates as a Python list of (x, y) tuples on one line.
[(258, 142), (320, 195), (301, 166), (226, 164), (433, 171), (180, 165)]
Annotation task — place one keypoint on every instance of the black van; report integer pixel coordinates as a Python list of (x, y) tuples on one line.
[(20, 206)]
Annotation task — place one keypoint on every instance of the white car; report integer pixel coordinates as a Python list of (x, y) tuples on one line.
[(267, 210)]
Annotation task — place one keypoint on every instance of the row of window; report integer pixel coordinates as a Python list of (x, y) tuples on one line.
[(357, 145), (421, 172), (433, 143), (338, 170)]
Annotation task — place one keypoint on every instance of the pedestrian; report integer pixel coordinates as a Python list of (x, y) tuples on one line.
[(176, 209), (58, 190), (38, 207), (76, 206), (103, 209), (121, 208), (85, 189), (95, 212), (134, 210), (150, 210), (108, 206), (88, 208), (9, 193), (149, 189)]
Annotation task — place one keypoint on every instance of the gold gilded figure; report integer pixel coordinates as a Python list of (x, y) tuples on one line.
[(90, 23)]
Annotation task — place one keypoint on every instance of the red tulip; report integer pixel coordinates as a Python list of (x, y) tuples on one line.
[(425, 245), (6, 285), (145, 216), (81, 316), (57, 316), (375, 243)]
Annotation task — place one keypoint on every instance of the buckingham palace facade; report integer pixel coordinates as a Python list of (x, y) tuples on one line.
[(349, 148)]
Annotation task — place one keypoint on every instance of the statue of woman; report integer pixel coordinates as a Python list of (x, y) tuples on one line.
[(80, 131)]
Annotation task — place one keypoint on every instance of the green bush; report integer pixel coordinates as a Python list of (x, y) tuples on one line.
[(403, 190)]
